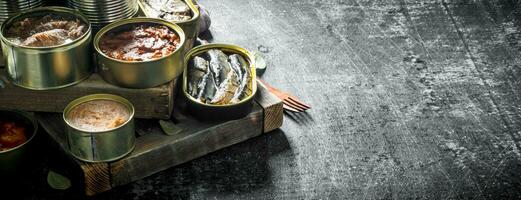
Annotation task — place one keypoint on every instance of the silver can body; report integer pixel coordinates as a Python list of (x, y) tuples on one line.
[(105, 146), (42, 68)]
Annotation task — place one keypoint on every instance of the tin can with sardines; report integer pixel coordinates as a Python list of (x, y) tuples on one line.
[(47, 48), (100, 127), (139, 52), (219, 81)]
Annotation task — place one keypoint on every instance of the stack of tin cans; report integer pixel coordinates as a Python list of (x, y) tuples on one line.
[(103, 12), (11, 7)]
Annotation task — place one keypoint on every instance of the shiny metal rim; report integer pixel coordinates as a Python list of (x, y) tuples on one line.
[(18, 7), (112, 19), (51, 9), (101, 7), (109, 16), (19, 2), (98, 14), (96, 3), (100, 1), (10, 8)]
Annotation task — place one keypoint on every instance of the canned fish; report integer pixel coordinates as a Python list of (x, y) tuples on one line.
[(47, 48), (121, 62), (181, 12), (13, 159), (10, 8), (100, 127), (225, 94)]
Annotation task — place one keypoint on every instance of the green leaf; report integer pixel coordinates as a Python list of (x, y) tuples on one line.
[(169, 127), (58, 181)]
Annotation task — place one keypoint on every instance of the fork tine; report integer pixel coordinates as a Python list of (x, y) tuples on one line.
[(289, 108), (288, 101), (296, 100), (293, 105), (299, 103)]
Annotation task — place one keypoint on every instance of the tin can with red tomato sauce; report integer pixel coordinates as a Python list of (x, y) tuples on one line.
[(12, 158), (127, 58), (190, 26)]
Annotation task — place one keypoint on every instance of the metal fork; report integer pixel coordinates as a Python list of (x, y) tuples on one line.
[(291, 103)]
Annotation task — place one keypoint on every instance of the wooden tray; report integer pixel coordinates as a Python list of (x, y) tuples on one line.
[(156, 151), (156, 102)]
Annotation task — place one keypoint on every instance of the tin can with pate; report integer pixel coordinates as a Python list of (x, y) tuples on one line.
[(220, 112), (139, 74), (190, 27), (49, 67), (101, 145)]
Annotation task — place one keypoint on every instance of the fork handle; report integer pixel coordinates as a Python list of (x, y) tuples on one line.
[(265, 84), (273, 90)]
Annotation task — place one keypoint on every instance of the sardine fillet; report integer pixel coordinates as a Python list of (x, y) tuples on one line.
[(245, 86), (198, 68), (207, 88), (219, 65), (46, 38), (226, 90), (237, 62)]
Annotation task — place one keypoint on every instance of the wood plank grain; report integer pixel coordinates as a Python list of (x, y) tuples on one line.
[(156, 152), (97, 177), (154, 102), (272, 106)]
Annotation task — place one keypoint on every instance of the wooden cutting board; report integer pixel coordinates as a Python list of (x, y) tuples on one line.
[(156, 151), (156, 102)]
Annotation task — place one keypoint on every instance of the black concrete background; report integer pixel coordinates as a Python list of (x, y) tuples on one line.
[(411, 100)]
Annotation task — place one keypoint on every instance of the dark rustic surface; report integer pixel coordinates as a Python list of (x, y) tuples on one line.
[(384, 124)]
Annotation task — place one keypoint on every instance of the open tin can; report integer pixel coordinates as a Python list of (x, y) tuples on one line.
[(10, 8), (139, 74), (11, 160), (52, 67), (103, 145), (190, 27), (220, 112)]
